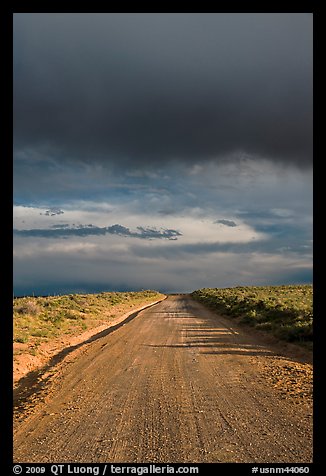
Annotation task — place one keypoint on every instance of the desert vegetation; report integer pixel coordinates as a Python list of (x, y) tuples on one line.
[(286, 311), (38, 319)]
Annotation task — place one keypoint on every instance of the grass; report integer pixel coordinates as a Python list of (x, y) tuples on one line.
[(40, 319), (286, 311)]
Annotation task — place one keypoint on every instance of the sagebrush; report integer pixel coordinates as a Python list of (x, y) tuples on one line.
[(287, 310)]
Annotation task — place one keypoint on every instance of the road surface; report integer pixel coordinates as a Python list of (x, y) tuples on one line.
[(175, 384)]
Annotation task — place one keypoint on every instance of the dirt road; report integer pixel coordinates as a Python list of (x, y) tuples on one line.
[(175, 384)]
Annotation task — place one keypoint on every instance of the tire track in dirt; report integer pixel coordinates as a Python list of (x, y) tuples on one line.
[(178, 383)]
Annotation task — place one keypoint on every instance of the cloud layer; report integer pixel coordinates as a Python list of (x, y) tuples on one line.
[(144, 89), (65, 231), (171, 151)]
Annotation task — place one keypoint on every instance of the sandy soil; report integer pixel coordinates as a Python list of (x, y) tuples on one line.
[(177, 383), (25, 362)]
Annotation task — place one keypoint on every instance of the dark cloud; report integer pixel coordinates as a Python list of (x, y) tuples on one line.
[(151, 233), (100, 269), (280, 239), (158, 115), (65, 231), (142, 89), (230, 223), (278, 247)]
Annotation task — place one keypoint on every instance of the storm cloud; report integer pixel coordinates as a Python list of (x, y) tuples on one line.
[(148, 89), (169, 151)]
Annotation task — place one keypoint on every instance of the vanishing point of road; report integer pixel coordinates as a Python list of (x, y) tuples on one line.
[(177, 383)]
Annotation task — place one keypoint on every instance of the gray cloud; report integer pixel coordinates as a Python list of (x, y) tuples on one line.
[(156, 115), (143, 89), (104, 271), (279, 247), (230, 223), (65, 231)]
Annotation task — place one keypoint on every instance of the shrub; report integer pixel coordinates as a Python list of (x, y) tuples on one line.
[(22, 339), (284, 310), (28, 307)]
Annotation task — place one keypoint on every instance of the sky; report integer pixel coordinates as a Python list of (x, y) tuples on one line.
[(161, 151)]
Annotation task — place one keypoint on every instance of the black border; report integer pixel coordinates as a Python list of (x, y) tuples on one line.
[(6, 362), (7, 191)]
